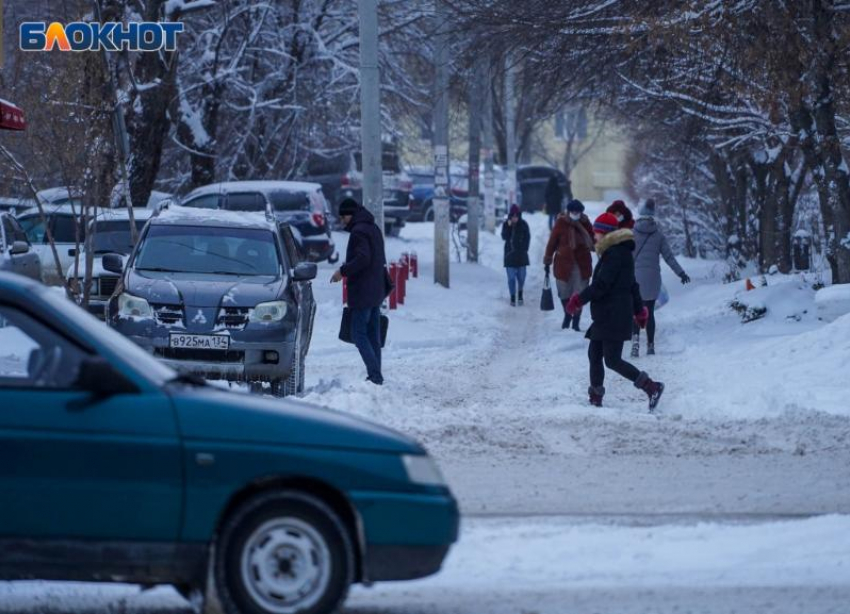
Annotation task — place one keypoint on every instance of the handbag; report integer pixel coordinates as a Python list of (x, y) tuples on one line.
[(345, 327), (547, 303)]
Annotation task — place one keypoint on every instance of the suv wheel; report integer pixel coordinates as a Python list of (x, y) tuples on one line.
[(429, 212), (283, 553)]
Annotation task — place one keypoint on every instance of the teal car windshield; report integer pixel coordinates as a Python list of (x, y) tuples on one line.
[(209, 250), (116, 343)]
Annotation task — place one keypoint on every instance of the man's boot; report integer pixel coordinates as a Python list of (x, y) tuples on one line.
[(519, 297), (576, 320), (653, 390), (635, 345), (596, 393), (513, 301), (650, 349), (566, 323)]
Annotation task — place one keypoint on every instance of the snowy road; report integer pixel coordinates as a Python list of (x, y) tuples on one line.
[(703, 508), (556, 566)]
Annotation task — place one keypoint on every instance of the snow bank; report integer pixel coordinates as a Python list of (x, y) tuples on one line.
[(547, 553), (833, 302), (791, 299)]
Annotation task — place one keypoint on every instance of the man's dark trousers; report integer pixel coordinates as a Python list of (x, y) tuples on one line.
[(366, 334)]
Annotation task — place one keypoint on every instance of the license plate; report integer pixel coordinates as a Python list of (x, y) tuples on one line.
[(199, 342)]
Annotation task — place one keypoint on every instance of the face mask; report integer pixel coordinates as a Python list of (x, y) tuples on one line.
[(575, 216)]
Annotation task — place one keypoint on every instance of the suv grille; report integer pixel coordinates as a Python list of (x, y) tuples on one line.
[(107, 286), (233, 317), (168, 314)]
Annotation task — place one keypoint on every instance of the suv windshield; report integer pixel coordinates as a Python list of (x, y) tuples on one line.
[(209, 250), (289, 201), (114, 236)]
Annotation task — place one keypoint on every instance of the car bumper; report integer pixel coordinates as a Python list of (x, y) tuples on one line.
[(243, 361), (407, 536)]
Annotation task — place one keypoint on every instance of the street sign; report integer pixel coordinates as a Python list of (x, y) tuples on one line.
[(11, 117)]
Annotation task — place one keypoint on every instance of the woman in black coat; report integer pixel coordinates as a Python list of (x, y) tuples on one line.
[(517, 238), (615, 303)]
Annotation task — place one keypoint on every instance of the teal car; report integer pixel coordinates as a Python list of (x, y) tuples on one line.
[(114, 467)]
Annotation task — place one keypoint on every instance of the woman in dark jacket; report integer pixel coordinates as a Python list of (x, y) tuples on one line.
[(615, 302), (517, 238)]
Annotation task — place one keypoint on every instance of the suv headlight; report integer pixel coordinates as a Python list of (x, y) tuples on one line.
[(273, 311), (133, 306), (423, 470)]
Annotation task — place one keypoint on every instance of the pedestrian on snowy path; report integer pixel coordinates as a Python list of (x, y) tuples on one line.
[(615, 302), (569, 247), (554, 200), (517, 238), (625, 218), (650, 246), (365, 271)]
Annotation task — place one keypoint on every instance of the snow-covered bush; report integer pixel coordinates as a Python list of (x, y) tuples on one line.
[(790, 299), (833, 302)]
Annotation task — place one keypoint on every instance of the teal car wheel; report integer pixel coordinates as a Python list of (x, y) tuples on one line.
[(284, 553)]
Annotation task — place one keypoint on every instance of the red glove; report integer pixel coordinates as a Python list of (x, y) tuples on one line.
[(574, 304), (642, 318)]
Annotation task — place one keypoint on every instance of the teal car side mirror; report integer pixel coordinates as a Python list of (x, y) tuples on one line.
[(100, 378)]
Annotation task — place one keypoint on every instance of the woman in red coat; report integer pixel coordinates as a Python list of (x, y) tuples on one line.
[(569, 247), (623, 213)]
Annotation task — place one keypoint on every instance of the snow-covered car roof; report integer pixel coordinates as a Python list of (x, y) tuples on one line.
[(53, 195), (253, 186), (190, 216), (123, 214), (102, 213)]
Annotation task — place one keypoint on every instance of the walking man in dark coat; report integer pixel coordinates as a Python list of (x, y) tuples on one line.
[(517, 238), (554, 200), (615, 302), (364, 269)]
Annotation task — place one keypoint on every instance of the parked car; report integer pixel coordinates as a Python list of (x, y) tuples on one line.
[(116, 468), (9, 204), (110, 234), (301, 205), (63, 222), (532, 182), (341, 176), (220, 294), (421, 203), (16, 253), (421, 197), (59, 196)]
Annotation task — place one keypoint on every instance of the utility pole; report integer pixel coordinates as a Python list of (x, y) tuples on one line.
[(370, 112), (510, 129), (489, 181), (474, 203), (441, 152)]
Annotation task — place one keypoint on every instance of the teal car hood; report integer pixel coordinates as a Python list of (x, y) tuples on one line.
[(208, 414)]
